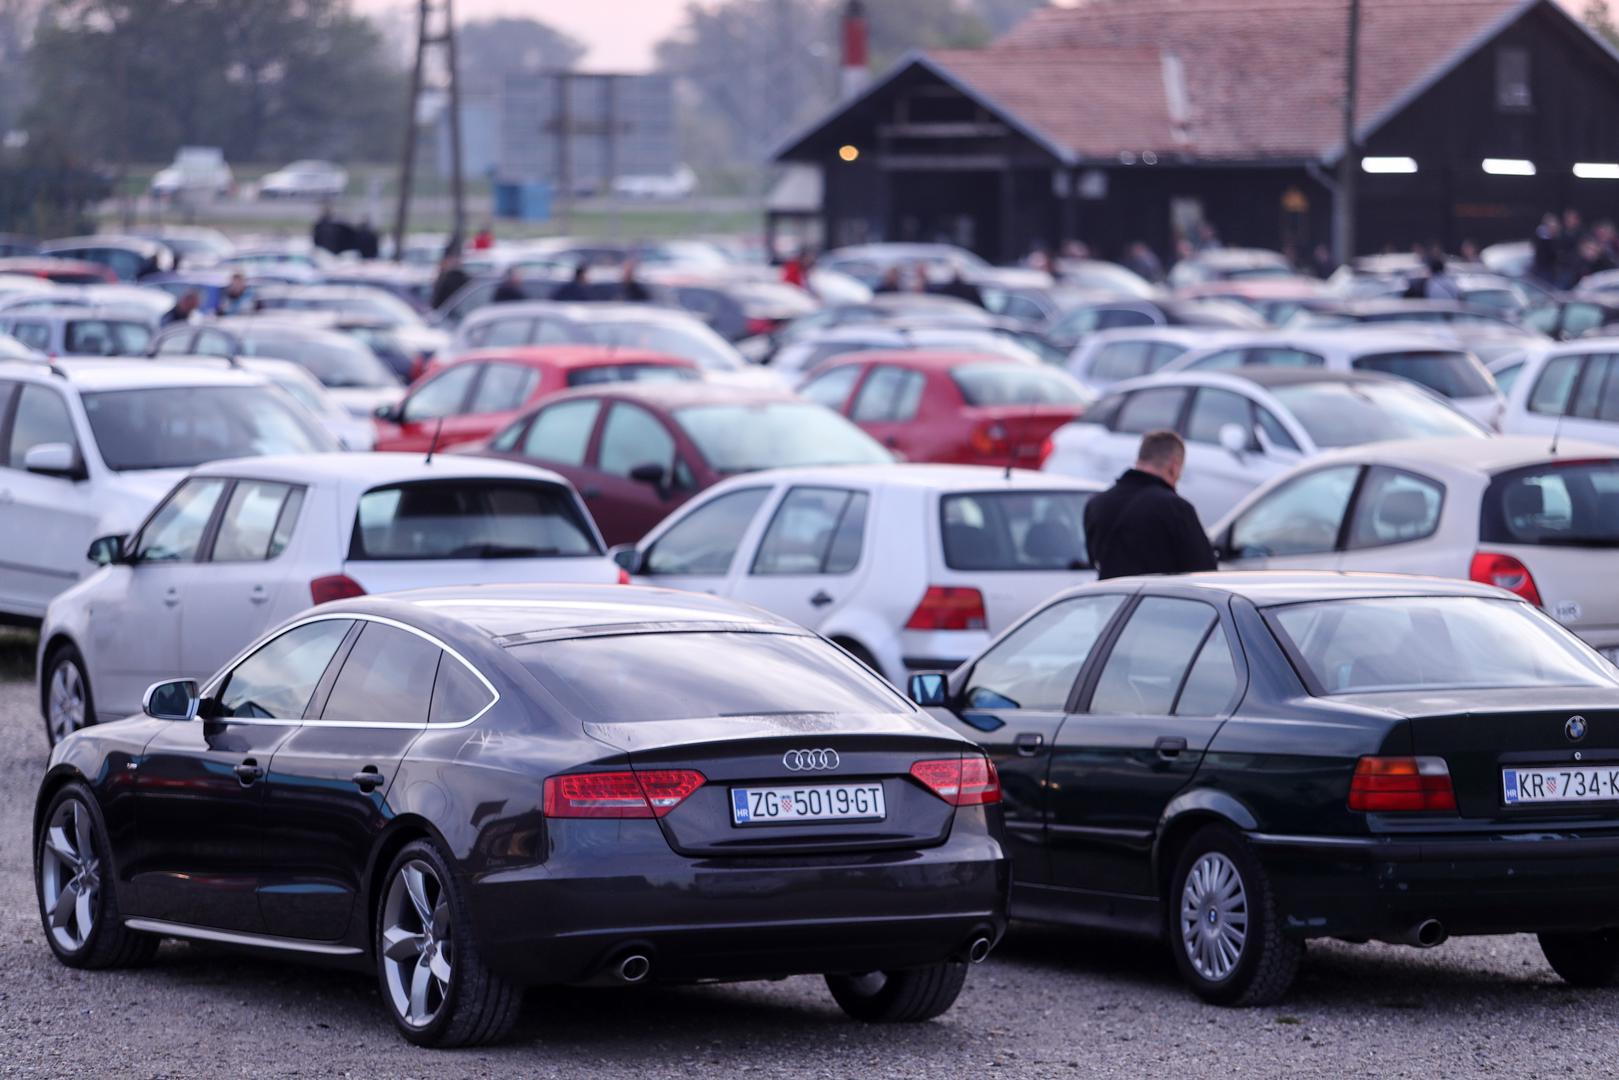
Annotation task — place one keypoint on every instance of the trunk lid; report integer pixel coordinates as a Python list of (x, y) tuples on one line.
[(392, 575), (1024, 428)]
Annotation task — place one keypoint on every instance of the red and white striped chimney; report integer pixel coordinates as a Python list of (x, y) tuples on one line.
[(853, 71)]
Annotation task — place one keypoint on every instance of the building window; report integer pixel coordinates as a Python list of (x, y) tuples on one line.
[(1512, 80)]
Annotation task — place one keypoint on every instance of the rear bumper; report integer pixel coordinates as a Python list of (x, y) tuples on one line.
[(1378, 887), (574, 917)]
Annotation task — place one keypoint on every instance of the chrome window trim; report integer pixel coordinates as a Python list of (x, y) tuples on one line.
[(213, 684)]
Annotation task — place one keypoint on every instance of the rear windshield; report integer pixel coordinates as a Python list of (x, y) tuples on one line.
[(1014, 530), (776, 435), (611, 373), (1015, 384), (1349, 414), (1450, 374), (682, 676), (1568, 504), (470, 519), (105, 337), (1435, 643)]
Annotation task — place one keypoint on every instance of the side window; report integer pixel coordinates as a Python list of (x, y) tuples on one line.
[(506, 332), (1120, 318), (1587, 398), (832, 389), (175, 532), (1034, 667), (1282, 356), (504, 386), (388, 675), (1302, 517), (41, 418), (1211, 686), (277, 681), (442, 395), (211, 343), (1076, 324), (1212, 410), (175, 344), (258, 521), (1274, 431), (1555, 386), (1149, 410), (1163, 353), (1220, 361), (1506, 376), (632, 437), (1150, 660), (561, 433), (888, 394), (35, 335), (1578, 319), (1120, 360), (705, 540), (1394, 507), (806, 528), (458, 694)]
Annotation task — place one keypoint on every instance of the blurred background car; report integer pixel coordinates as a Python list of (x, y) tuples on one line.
[(305, 179), (1566, 390), (81, 331), (197, 171), (1073, 325), (130, 258)]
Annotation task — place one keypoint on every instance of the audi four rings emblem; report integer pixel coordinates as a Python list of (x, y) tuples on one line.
[(810, 760)]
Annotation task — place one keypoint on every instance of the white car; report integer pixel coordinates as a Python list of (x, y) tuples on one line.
[(351, 432), (197, 170), (74, 330), (305, 180), (804, 356), (89, 447), (1245, 426), (1507, 512), (1414, 355), (1110, 356), (1564, 391), (679, 184), (908, 567), (238, 546)]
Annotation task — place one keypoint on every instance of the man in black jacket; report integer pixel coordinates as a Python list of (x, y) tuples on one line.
[(1139, 525)]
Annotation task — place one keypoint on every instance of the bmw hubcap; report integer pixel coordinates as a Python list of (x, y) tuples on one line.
[(66, 700), (70, 876), (416, 947), (1214, 916)]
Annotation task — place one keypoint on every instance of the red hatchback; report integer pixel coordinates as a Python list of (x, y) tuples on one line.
[(480, 393), (950, 407), (636, 451)]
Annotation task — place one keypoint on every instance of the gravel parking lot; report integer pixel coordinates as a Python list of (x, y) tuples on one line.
[(1047, 1004)]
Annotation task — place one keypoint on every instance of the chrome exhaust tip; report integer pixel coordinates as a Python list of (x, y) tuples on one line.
[(1429, 932), (978, 951), (634, 968)]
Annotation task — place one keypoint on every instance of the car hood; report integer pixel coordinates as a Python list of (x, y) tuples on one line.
[(134, 495)]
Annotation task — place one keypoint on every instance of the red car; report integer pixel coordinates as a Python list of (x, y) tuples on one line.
[(636, 451), (480, 393), (61, 271), (951, 407)]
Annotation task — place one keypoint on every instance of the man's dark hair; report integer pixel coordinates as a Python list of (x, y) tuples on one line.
[(1161, 447)]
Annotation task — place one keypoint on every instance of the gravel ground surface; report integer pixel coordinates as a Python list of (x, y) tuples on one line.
[(1047, 1004)]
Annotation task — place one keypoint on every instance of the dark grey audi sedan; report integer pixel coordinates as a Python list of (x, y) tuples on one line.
[(472, 790)]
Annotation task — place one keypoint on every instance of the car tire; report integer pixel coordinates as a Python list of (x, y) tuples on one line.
[(1588, 960), (74, 884), (67, 706), (424, 936), (908, 996), (1223, 925)]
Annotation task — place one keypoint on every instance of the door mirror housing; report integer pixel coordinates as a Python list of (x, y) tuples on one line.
[(656, 475), (107, 550), (1234, 439), (929, 689), (54, 459), (627, 557), (173, 700), (389, 414)]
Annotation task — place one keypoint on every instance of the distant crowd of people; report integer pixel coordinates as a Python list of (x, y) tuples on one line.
[(1565, 251)]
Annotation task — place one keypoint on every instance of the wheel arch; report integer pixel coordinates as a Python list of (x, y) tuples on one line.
[(47, 649), (55, 780), (1187, 813), (401, 831)]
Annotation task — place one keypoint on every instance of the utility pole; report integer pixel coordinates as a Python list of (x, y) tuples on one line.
[(1343, 238), (428, 39)]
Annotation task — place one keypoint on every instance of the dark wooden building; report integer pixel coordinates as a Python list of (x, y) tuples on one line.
[(1125, 120)]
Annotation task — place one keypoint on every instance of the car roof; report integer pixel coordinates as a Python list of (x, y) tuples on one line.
[(81, 311), (665, 396), (571, 356), (1351, 340), (367, 470), (582, 311), (1270, 588), (1481, 456), (923, 358), (918, 475), (510, 613), (133, 373)]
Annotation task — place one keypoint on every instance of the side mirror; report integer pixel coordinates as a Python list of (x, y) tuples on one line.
[(106, 550), (1234, 439), (627, 557), (173, 700), (931, 689), (388, 413), (651, 474), (54, 459)]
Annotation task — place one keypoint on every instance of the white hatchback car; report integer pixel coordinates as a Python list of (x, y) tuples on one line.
[(1507, 512), (1111, 356), (1567, 391), (1243, 427), (238, 546), (908, 567), (88, 446)]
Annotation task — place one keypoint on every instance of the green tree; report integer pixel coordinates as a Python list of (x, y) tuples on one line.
[(493, 48)]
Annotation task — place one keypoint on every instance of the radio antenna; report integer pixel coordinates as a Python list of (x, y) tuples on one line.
[(1557, 431), (438, 429)]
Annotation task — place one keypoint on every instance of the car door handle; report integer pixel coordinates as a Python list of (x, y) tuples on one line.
[(1029, 743), (258, 594), (820, 599), (171, 597), (1169, 746), (249, 772), (367, 779)]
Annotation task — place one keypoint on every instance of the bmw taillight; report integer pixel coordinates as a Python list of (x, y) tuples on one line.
[(964, 781), (1395, 784), (1504, 572), (650, 794), (946, 607), (334, 587)]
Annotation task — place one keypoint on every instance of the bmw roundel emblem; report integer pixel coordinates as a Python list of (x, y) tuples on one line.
[(1574, 728)]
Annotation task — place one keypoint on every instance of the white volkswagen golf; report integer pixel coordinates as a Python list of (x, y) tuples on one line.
[(238, 546)]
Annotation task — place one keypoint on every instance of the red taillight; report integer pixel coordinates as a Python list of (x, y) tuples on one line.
[(988, 439), (334, 587), (968, 781), (623, 576), (649, 794), (1504, 572), (948, 608), (1401, 783), (1046, 448), (756, 325)]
